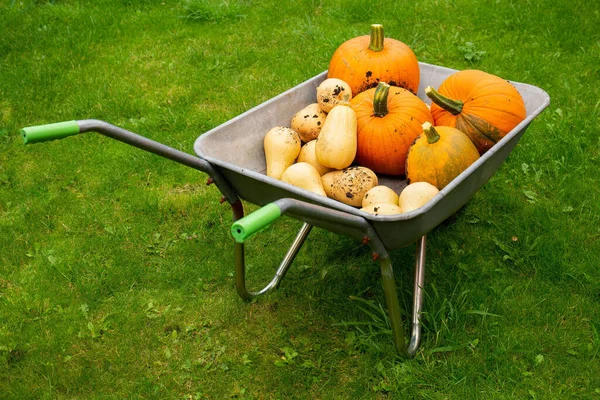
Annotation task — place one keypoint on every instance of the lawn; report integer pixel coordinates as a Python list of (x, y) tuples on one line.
[(117, 267)]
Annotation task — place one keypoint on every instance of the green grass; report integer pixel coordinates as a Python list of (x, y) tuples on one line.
[(116, 266), (212, 11)]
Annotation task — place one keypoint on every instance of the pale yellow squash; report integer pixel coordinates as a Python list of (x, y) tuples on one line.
[(349, 185), (304, 176), (380, 194), (331, 92), (416, 195), (282, 146), (308, 122), (336, 144), (307, 154), (382, 209)]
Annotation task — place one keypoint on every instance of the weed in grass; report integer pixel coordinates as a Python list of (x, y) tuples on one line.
[(309, 30), (214, 10), (469, 52)]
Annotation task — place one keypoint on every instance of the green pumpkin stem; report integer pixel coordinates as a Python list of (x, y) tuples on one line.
[(376, 42), (432, 135), (380, 100), (448, 104)]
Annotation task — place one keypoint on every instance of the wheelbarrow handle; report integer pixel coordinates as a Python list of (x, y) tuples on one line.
[(251, 224), (353, 225), (44, 133)]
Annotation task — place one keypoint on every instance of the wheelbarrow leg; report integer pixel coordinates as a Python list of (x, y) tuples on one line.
[(286, 263), (393, 305), (243, 229)]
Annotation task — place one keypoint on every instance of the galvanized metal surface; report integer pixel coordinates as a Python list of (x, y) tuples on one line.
[(235, 148), (286, 263)]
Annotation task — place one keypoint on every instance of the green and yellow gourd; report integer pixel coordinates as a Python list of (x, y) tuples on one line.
[(439, 155)]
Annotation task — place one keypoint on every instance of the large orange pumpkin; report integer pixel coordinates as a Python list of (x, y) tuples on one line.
[(364, 61), (439, 155), (388, 120), (483, 106)]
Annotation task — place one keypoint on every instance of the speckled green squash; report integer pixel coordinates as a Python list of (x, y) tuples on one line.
[(439, 155)]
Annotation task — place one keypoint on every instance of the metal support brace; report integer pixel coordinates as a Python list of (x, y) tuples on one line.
[(393, 304), (387, 273), (240, 266), (415, 335), (240, 261)]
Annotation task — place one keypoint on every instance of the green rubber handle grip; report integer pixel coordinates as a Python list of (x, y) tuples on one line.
[(44, 133), (248, 226)]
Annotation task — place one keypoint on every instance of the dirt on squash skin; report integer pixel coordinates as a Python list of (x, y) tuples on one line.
[(353, 179), (338, 90), (369, 84), (291, 136)]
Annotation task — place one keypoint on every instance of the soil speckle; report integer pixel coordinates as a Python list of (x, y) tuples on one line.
[(338, 90)]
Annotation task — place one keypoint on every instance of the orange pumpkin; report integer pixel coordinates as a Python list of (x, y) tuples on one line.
[(364, 61), (439, 155), (483, 106), (388, 120)]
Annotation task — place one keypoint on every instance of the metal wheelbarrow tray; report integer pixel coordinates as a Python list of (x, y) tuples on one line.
[(233, 155)]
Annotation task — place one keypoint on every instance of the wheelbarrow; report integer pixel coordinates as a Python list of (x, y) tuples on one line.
[(232, 155)]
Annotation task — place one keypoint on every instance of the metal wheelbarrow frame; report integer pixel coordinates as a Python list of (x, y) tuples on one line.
[(232, 155)]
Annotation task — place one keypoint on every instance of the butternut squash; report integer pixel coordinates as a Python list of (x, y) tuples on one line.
[(380, 194), (308, 122), (337, 142), (304, 176), (331, 92), (282, 146), (382, 209), (307, 154), (349, 185), (416, 195)]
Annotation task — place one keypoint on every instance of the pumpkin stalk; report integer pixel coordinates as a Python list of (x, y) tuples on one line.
[(448, 104), (376, 42), (380, 100), (432, 135)]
